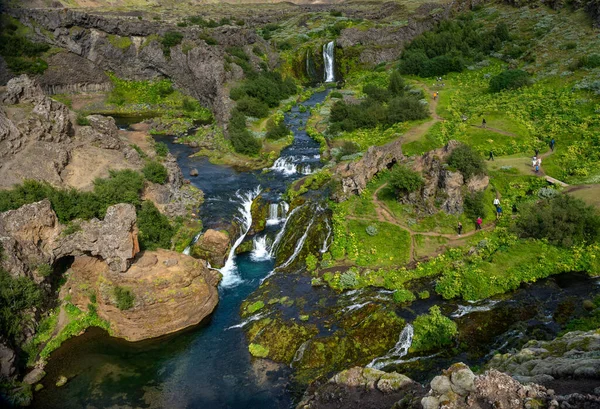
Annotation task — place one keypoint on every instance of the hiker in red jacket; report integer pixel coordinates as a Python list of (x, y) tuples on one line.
[(478, 223)]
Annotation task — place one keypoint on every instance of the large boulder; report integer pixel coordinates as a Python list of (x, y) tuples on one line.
[(11, 139), (102, 131), (360, 387), (213, 246), (22, 89), (170, 292), (8, 361)]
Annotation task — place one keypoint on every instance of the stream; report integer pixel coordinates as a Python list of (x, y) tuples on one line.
[(209, 367)]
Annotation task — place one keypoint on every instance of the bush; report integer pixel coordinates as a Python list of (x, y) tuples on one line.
[(276, 129), (371, 230), (405, 180), (123, 186), (563, 220), (474, 205), (432, 331), (155, 172), (82, 120), (348, 148), (267, 87), (124, 298), (241, 139), (397, 85), (238, 52), (336, 95), (509, 79), (17, 297), (589, 61), (402, 109), (311, 262), (155, 229), (252, 107), (467, 161), (348, 280), (170, 39), (161, 149), (402, 296)]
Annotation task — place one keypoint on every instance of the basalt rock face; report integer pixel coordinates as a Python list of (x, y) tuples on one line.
[(354, 176), (32, 235), (197, 68), (443, 188), (171, 292)]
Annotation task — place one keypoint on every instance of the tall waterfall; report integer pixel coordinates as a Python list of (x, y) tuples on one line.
[(282, 231), (400, 349), (231, 278), (277, 213), (260, 251), (329, 62)]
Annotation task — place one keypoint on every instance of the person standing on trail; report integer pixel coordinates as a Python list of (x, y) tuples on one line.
[(552, 143), (496, 202), (534, 161), (459, 228), (498, 212), (478, 223), (539, 162), (483, 123), (435, 95), (491, 155)]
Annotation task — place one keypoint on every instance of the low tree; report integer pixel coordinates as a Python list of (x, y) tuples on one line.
[(509, 79), (563, 220), (405, 180), (467, 161)]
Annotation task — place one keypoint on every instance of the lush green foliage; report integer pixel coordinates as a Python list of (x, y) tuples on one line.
[(155, 172), (432, 331), (267, 87), (405, 180), (17, 297), (277, 128), (161, 149), (170, 39), (563, 220), (474, 205), (242, 140), (122, 186), (21, 54), (467, 161), (509, 79), (155, 229), (124, 298), (450, 47), (252, 107), (402, 295)]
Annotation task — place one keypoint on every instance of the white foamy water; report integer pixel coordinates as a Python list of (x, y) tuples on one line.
[(328, 58), (467, 309), (230, 273), (400, 349), (277, 213), (247, 321), (260, 250), (282, 231)]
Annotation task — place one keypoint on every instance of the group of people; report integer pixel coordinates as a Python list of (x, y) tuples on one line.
[(479, 220)]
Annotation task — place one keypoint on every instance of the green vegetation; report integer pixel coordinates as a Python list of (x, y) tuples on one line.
[(124, 298), (169, 40), (241, 138), (252, 308), (276, 128), (122, 43), (562, 220), (155, 172), (405, 180), (258, 350), (22, 56), (155, 229), (17, 298), (467, 161), (509, 79), (402, 295), (452, 46), (432, 331), (161, 149)]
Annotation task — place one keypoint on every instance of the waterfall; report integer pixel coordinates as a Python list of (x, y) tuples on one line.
[(282, 231), (399, 350), (285, 166), (188, 249), (329, 62), (231, 277), (260, 251), (299, 244), (277, 213), (329, 231), (467, 309), (242, 324)]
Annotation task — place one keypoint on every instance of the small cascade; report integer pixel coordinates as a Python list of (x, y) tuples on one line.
[(300, 242), (328, 59), (285, 165), (399, 350), (260, 250), (247, 321), (325, 243), (282, 231), (277, 213), (188, 249), (467, 309), (231, 277)]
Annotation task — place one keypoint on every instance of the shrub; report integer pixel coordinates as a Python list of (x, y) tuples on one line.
[(311, 262), (155, 229), (17, 297), (509, 79), (432, 331), (467, 161), (82, 120), (155, 172), (276, 129), (348, 279), (44, 270), (208, 39), (563, 220), (123, 186), (238, 52), (405, 180), (124, 298), (336, 95), (402, 296), (161, 149), (407, 108), (397, 85), (241, 139), (252, 107), (267, 87), (348, 148), (371, 230), (169, 40), (589, 61), (474, 205)]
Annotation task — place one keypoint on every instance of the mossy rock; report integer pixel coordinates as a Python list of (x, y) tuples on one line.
[(260, 212), (258, 350), (246, 247), (282, 339)]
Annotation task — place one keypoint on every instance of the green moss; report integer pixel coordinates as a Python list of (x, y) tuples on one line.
[(258, 350), (122, 43), (433, 331), (280, 338), (252, 308)]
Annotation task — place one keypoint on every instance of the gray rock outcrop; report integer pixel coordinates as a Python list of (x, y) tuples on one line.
[(102, 131), (32, 235)]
